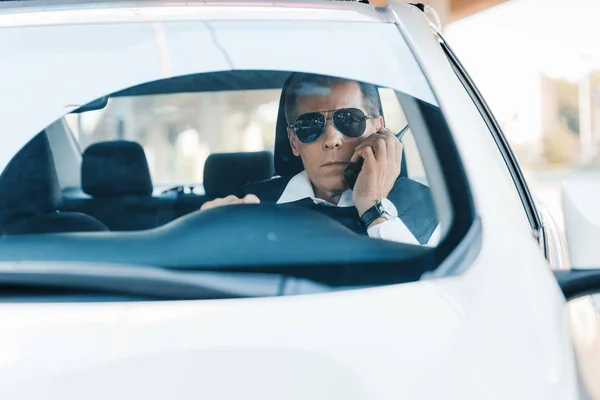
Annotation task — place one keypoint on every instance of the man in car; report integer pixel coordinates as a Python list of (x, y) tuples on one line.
[(333, 122)]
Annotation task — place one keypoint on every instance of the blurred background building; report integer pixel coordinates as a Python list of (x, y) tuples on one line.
[(537, 62)]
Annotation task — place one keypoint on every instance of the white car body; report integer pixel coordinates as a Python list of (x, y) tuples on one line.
[(496, 330)]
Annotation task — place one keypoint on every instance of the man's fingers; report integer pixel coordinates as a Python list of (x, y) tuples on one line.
[(216, 203), (230, 200), (210, 204), (383, 144), (368, 155), (358, 149), (251, 199), (378, 143), (368, 142), (392, 143), (380, 149), (386, 132)]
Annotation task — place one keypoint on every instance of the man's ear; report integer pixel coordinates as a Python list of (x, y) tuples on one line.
[(293, 142), (379, 122)]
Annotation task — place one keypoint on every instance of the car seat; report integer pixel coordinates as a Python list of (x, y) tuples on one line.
[(30, 195), (117, 187)]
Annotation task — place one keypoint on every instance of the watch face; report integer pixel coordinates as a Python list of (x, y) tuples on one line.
[(389, 208)]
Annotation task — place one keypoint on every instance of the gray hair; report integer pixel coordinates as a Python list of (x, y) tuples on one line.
[(303, 84)]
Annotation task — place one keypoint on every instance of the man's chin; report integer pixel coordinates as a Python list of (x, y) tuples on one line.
[(336, 185)]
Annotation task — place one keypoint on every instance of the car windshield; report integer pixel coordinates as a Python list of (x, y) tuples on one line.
[(181, 146)]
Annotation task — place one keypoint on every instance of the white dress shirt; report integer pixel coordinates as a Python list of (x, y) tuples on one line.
[(300, 187)]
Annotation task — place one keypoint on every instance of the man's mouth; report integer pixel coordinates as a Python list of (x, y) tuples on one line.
[(333, 163)]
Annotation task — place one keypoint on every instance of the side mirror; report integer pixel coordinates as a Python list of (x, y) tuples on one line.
[(581, 210)]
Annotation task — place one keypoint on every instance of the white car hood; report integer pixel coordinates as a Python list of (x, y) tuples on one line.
[(351, 345), (411, 341)]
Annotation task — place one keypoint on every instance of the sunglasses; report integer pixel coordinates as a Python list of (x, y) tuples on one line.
[(350, 122)]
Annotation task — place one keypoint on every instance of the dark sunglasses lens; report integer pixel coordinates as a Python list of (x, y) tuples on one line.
[(350, 122), (308, 127)]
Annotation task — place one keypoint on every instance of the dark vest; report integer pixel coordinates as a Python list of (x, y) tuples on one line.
[(412, 199)]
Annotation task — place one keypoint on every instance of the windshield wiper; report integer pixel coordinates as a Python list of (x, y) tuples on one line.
[(147, 282)]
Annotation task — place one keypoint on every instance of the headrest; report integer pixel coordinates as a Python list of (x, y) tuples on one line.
[(29, 184), (286, 163), (115, 169), (228, 173)]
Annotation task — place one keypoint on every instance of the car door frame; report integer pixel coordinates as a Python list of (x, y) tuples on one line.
[(542, 224)]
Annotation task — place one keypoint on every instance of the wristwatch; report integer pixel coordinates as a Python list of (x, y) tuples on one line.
[(382, 208)]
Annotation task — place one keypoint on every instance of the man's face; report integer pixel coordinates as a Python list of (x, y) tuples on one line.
[(326, 158)]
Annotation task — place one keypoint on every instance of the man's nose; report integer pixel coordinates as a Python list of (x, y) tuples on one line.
[(332, 139)]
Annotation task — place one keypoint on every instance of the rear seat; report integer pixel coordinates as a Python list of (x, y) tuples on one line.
[(226, 174), (118, 188)]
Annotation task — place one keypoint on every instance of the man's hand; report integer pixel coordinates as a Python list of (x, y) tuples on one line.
[(229, 200), (382, 153)]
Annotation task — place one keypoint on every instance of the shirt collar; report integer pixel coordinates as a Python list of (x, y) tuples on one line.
[(300, 187)]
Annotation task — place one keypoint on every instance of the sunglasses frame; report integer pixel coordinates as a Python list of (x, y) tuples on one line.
[(330, 118)]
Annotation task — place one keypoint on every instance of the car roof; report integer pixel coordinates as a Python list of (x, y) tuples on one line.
[(55, 4), (64, 12)]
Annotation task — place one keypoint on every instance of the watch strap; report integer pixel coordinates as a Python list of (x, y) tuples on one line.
[(370, 215)]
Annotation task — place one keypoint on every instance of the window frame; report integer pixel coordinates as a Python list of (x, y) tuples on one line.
[(527, 200)]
